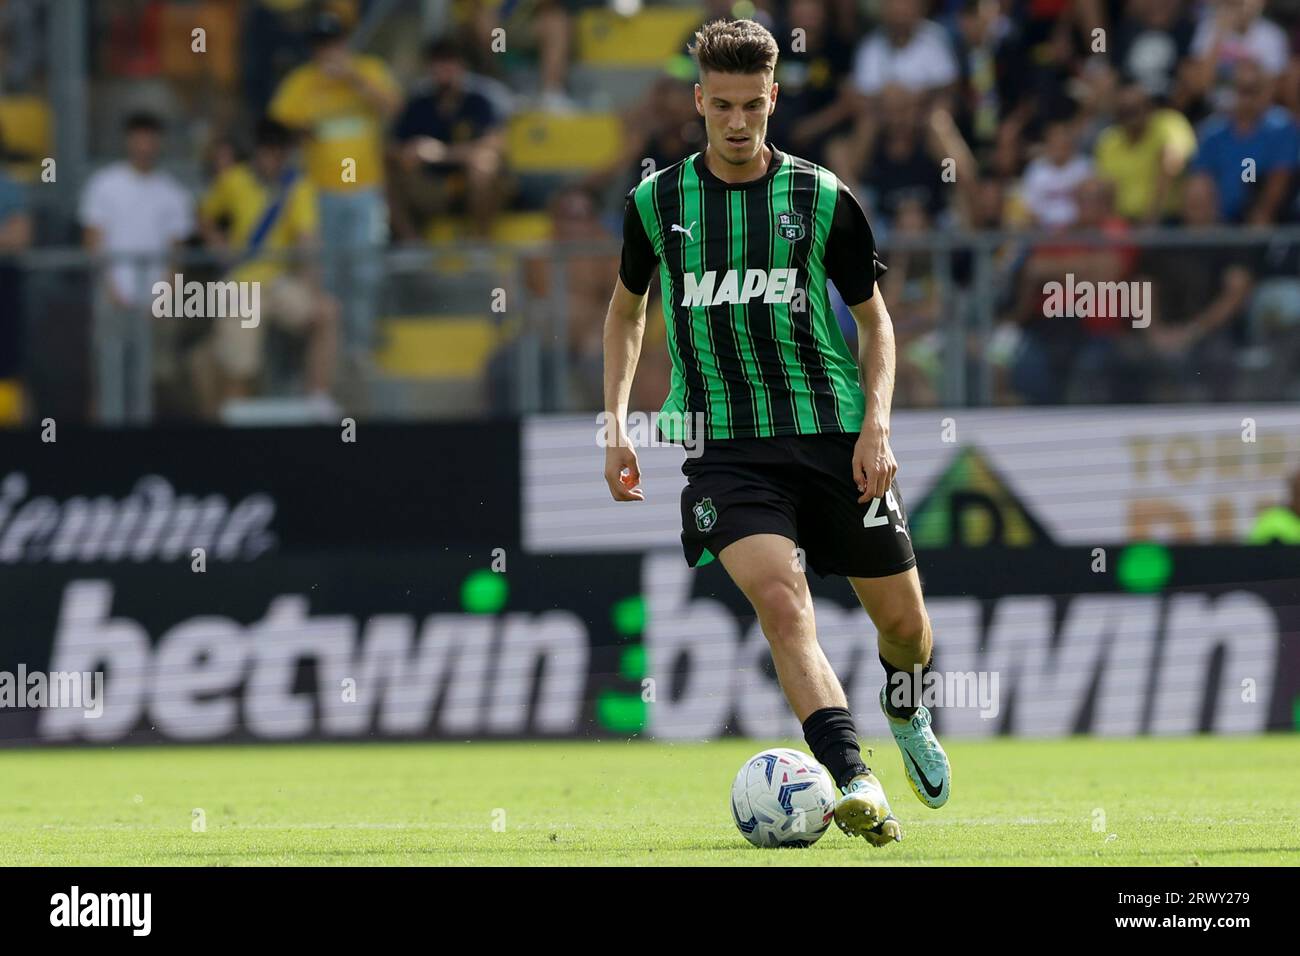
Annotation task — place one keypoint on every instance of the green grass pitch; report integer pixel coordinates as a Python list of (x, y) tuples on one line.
[(1191, 801)]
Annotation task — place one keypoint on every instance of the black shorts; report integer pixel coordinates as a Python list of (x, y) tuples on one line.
[(799, 486)]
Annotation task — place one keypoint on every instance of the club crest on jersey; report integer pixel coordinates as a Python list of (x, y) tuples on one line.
[(706, 516), (789, 226)]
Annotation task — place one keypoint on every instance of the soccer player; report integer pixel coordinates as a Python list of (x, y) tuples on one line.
[(795, 460)]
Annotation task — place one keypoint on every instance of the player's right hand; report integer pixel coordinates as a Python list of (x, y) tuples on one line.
[(618, 460)]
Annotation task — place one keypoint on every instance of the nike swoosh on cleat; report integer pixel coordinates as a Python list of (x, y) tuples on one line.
[(931, 790)]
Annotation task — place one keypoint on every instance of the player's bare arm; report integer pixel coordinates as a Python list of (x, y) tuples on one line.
[(874, 465), (624, 327)]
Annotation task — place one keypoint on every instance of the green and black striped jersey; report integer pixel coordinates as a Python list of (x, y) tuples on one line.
[(755, 345)]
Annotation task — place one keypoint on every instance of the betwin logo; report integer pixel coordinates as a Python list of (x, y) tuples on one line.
[(209, 676)]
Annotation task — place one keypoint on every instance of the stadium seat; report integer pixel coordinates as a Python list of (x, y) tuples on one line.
[(437, 346), (514, 229), (443, 230), (550, 143), (11, 403), (26, 124), (646, 39), (269, 411), (522, 228)]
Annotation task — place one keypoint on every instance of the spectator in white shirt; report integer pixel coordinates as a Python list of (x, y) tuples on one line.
[(907, 51), (135, 214), (1051, 181), (1231, 33), (132, 208)]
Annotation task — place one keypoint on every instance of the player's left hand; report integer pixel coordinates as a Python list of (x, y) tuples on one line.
[(874, 464)]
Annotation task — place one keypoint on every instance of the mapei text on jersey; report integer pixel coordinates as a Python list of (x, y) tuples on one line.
[(771, 285)]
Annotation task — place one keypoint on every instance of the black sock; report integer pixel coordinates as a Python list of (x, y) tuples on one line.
[(902, 685), (834, 742)]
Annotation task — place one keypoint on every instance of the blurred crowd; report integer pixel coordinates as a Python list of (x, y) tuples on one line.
[(1048, 122), (1052, 119), (1067, 117)]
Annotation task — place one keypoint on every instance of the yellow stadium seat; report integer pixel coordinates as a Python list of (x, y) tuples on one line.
[(422, 346), (25, 125), (444, 231), (513, 228), (549, 143), (11, 403), (522, 228), (646, 39)]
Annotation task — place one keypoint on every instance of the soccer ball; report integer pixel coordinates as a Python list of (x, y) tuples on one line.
[(782, 797)]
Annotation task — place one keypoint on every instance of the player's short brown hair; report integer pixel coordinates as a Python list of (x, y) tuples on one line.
[(734, 46)]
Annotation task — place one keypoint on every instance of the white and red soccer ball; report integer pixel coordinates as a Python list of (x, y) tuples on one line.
[(782, 797)]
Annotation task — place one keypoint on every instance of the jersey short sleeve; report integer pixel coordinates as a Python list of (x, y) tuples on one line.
[(291, 104), (639, 259), (852, 262)]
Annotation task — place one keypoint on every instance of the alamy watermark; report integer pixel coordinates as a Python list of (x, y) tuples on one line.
[(212, 300), (70, 690), (945, 689), (133, 911), (653, 430), (1084, 299)]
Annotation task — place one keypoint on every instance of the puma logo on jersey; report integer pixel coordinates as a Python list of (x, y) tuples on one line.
[(772, 285), (686, 232)]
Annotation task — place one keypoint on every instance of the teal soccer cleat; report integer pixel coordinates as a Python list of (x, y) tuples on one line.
[(923, 759)]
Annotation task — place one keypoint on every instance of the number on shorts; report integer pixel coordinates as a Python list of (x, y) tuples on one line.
[(874, 520)]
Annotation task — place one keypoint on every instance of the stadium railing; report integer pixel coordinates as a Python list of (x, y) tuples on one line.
[(461, 331)]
